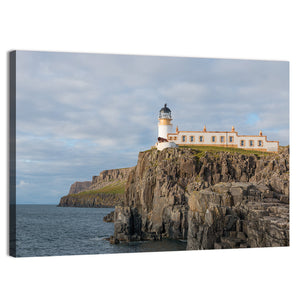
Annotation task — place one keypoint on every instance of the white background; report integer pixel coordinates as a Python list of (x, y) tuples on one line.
[(217, 29)]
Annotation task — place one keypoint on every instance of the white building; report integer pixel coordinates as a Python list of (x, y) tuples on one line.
[(209, 138)]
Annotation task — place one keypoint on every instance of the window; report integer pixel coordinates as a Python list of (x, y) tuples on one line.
[(170, 138), (231, 139), (175, 138), (260, 143), (201, 139), (222, 139), (251, 143), (183, 138), (192, 138), (213, 139), (242, 143)]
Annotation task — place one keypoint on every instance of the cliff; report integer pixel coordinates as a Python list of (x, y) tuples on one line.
[(105, 190), (96, 199), (108, 177), (78, 186), (219, 198)]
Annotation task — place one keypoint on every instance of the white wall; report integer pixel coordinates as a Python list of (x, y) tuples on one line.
[(207, 140)]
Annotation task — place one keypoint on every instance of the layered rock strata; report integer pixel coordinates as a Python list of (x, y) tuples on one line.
[(212, 199)]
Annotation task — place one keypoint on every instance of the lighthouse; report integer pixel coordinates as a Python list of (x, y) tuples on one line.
[(164, 124), (164, 128)]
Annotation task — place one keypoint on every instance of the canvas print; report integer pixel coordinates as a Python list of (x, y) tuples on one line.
[(130, 153)]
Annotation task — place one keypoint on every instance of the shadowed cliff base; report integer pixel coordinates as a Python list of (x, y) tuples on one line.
[(213, 198)]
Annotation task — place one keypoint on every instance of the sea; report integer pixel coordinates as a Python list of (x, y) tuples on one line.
[(48, 230)]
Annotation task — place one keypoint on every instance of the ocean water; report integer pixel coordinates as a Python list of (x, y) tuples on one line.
[(48, 230)]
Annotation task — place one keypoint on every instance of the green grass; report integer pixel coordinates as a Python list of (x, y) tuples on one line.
[(114, 188), (215, 150)]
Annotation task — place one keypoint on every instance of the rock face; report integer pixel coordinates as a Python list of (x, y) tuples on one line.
[(212, 199), (77, 186), (89, 193), (237, 215), (107, 177)]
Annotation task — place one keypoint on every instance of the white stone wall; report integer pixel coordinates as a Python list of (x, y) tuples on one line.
[(207, 140), (268, 146)]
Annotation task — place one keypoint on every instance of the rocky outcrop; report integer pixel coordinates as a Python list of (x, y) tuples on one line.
[(100, 192), (91, 200), (237, 215), (78, 186), (109, 218), (190, 194)]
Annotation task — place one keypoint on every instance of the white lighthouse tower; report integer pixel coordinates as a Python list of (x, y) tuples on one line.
[(164, 125)]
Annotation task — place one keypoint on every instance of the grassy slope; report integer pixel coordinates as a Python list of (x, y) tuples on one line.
[(214, 149), (114, 188)]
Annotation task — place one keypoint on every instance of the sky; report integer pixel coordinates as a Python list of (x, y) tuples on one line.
[(78, 114)]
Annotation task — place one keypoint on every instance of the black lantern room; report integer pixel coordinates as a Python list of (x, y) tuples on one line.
[(165, 113)]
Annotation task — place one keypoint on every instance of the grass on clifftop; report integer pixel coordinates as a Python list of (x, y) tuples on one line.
[(114, 188), (215, 150)]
